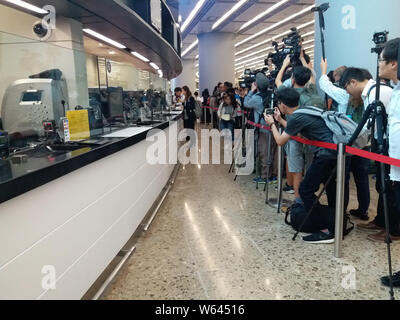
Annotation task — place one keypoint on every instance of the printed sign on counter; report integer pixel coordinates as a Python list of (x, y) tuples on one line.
[(78, 121)]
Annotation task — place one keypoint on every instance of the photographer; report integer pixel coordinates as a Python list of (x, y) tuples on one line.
[(255, 101), (388, 69), (324, 162), (298, 156), (333, 90), (358, 83)]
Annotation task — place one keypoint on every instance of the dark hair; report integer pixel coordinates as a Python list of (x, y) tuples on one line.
[(301, 75), (188, 92), (228, 84), (230, 91), (233, 99), (205, 93), (289, 96), (354, 74), (177, 89), (331, 77), (391, 51), (196, 93)]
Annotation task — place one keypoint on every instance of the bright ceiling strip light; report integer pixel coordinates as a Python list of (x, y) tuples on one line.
[(192, 14), (308, 41), (138, 55), (310, 47), (254, 53), (276, 37), (160, 73), (274, 26), (104, 38), (197, 57), (230, 12), (263, 14), (154, 66), (250, 63), (28, 6), (190, 48)]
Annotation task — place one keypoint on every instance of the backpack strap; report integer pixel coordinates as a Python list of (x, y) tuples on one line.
[(374, 86)]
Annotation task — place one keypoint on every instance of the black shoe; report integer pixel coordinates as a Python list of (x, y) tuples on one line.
[(288, 189), (395, 279), (359, 215), (320, 237)]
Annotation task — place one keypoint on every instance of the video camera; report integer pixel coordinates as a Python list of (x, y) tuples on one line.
[(291, 46)]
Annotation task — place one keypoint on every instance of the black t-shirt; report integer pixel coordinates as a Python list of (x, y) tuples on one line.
[(312, 128)]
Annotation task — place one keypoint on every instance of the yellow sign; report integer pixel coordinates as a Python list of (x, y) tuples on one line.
[(78, 124)]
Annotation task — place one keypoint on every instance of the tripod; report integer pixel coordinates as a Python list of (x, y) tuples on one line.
[(376, 112)]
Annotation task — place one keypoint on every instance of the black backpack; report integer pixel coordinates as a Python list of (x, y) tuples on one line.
[(321, 217)]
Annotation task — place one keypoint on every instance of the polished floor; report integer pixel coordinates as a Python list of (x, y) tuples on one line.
[(214, 238)]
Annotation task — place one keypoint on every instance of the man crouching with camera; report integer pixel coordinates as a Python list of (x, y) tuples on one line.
[(312, 128)]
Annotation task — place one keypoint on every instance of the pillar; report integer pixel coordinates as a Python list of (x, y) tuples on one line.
[(216, 59), (350, 25), (187, 77)]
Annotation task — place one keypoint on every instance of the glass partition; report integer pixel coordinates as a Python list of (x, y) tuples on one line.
[(40, 82)]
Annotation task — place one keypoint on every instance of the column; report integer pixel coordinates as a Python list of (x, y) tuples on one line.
[(187, 77), (216, 59), (350, 25)]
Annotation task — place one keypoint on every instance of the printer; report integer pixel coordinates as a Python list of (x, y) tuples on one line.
[(27, 103)]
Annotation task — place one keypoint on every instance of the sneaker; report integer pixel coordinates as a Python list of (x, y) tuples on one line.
[(359, 215), (256, 179), (319, 237), (395, 280), (288, 189), (369, 227), (273, 180), (260, 180)]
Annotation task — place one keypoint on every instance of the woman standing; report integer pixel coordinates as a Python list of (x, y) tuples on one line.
[(189, 108), (227, 113)]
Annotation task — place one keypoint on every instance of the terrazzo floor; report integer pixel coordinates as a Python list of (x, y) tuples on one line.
[(214, 238)]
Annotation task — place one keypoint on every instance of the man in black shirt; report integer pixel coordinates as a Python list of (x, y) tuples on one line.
[(312, 128)]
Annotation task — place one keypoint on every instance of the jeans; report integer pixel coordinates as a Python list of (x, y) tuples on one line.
[(319, 172), (359, 168), (227, 125)]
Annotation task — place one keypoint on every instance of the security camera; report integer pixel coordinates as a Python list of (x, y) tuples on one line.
[(41, 30)]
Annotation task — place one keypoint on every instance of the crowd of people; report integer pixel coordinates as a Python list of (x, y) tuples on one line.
[(347, 90)]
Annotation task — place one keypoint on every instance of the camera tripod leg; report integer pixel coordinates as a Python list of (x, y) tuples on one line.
[(266, 187)]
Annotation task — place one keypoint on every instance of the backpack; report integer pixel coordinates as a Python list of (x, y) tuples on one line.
[(341, 126), (308, 97), (321, 217)]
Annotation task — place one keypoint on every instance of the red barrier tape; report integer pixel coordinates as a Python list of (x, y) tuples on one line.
[(332, 146)]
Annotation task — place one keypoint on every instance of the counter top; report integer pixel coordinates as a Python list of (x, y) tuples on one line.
[(41, 165)]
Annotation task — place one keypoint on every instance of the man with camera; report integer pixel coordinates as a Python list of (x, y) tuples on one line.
[(358, 83), (389, 69), (298, 156), (324, 162), (255, 101)]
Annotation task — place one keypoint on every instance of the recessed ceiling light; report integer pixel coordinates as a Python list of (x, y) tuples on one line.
[(192, 14), (104, 38), (154, 65), (28, 6), (274, 26), (228, 13), (263, 14), (138, 55)]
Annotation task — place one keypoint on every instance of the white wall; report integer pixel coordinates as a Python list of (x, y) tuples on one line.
[(77, 223)]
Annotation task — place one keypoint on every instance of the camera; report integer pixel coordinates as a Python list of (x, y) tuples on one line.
[(380, 38), (41, 30), (248, 79)]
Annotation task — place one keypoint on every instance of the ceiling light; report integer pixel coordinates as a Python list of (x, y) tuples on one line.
[(154, 66), (112, 52), (28, 6), (277, 37), (190, 48), (308, 41), (310, 47), (263, 14), (160, 73), (227, 14), (197, 57), (192, 14), (274, 26), (104, 38), (138, 55)]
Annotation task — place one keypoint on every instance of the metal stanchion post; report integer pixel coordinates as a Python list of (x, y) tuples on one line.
[(280, 174), (340, 182), (205, 115), (266, 188)]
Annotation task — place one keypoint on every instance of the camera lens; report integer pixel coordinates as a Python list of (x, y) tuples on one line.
[(40, 30)]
